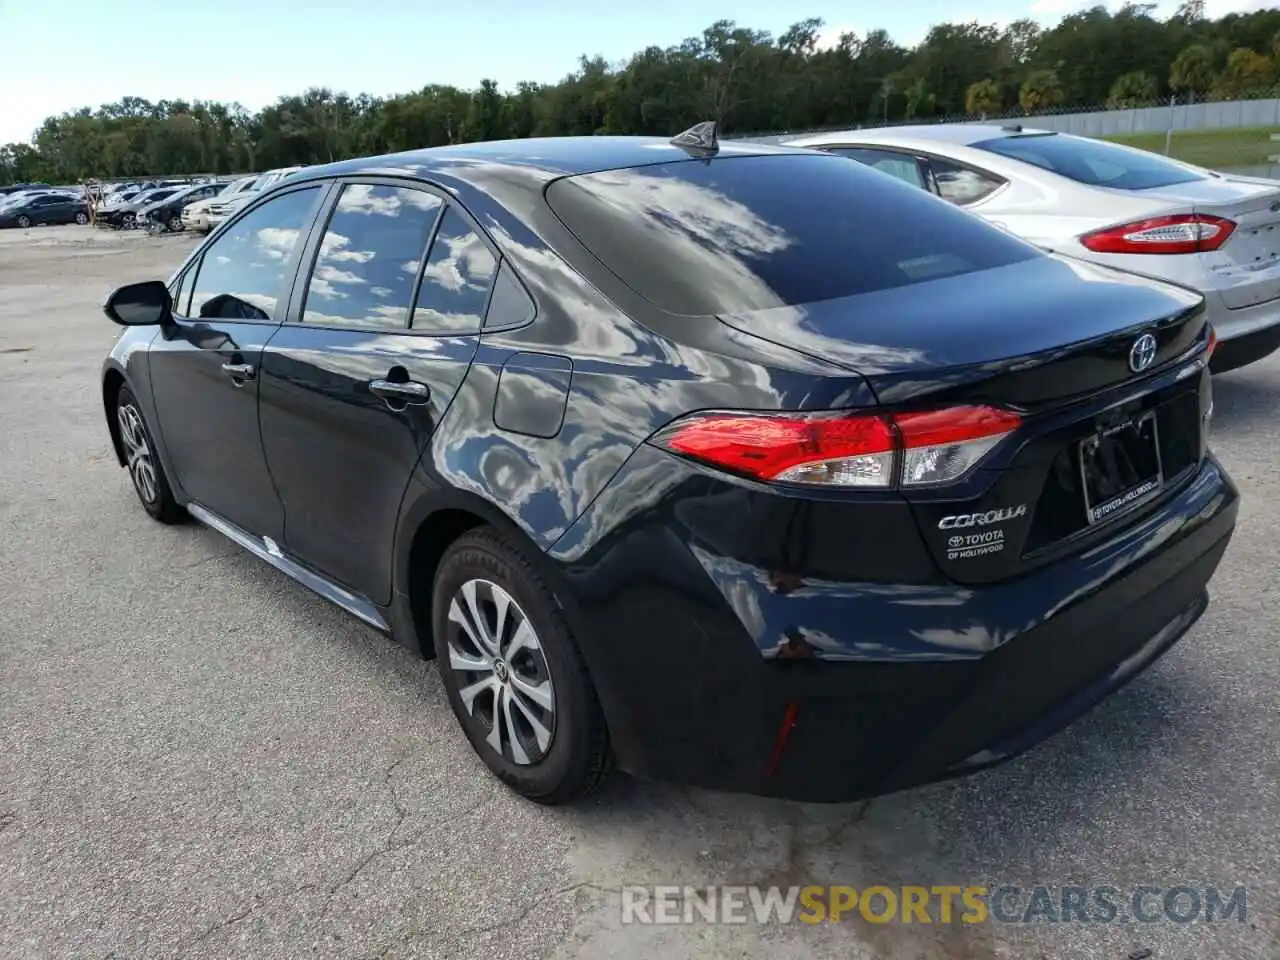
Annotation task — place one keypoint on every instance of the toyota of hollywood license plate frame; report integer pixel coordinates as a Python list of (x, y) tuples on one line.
[(1120, 467)]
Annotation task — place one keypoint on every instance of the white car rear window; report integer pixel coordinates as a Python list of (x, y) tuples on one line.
[(1093, 162)]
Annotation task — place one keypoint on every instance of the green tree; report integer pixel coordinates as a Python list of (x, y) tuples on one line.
[(983, 98), (1192, 71), (747, 79), (1040, 91), (1136, 89), (1247, 73)]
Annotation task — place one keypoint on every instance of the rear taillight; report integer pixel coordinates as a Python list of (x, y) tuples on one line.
[(910, 449), (1213, 343), (1180, 233)]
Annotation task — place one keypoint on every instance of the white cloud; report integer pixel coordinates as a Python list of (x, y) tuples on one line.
[(829, 36)]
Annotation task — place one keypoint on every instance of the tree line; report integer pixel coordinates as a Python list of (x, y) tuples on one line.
[(748, 80)]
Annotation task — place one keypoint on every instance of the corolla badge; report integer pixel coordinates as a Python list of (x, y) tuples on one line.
[(1143, 352)]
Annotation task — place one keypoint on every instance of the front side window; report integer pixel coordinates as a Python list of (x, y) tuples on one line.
[(181, 292), (243, 272), (962, 185), (902, 166), (456, 280), (368, 260)]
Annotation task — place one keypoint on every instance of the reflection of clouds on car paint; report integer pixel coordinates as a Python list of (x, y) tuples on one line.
[(695, 224)]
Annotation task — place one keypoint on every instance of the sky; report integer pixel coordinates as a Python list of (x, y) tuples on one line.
[(253, 51)]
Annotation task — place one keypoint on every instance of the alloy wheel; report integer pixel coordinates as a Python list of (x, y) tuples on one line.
[(501, 671), (138, 452), (24, 222)]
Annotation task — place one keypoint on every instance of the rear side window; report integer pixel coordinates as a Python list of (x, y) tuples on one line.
[(1094, 162), (456, 280), (369, 257), (754, 233), (962, 185), (899, 165)]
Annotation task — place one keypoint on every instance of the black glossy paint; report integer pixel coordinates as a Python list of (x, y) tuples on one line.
[(709, 608)]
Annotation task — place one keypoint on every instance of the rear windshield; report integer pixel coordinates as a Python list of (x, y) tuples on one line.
[(1095, 162), (737, 234)]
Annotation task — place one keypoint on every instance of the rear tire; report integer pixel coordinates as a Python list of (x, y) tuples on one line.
[(514, 675), (82, 218), (142, 460)]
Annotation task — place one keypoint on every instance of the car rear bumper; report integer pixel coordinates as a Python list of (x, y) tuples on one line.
[(709, 673), (1247, 348)]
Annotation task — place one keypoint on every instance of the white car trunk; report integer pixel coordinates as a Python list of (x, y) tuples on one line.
[(1246, 269)]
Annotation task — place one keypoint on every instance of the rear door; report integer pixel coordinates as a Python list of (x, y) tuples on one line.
[(205, 365), (384, 322)]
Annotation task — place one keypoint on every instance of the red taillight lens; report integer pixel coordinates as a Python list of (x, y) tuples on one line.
[(1180, 233), (1213, 343), (841, 449)]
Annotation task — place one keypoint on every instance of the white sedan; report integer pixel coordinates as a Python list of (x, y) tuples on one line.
[(1099, 201)]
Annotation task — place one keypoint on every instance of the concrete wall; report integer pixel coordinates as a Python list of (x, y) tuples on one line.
[(1195, 116)]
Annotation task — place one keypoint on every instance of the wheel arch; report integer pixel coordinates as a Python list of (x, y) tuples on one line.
[(432, 521), (112, 380)]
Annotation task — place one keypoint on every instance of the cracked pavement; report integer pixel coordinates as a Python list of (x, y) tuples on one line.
[(199, 759)]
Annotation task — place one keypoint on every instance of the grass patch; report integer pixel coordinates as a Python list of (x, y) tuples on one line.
[(1239, 147)]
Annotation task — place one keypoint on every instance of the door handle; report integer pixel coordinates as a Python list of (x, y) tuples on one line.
[(239, 372), (401, 391)]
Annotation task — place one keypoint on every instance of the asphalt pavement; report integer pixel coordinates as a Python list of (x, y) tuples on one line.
[(199, 759)]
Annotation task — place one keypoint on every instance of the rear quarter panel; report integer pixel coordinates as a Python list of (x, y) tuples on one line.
[(625, 378)]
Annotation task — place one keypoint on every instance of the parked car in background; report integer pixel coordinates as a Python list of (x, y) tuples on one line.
[(124, 216), (195, 216), (1107, 203), (167, 212), (20, 187), (44, 208), (224, 206), (664, 462)]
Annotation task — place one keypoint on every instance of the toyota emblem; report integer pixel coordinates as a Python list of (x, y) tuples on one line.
[(1143, 352)]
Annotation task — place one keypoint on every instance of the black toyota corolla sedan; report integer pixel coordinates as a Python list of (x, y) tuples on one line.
[(742, 466)]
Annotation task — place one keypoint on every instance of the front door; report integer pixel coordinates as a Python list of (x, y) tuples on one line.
[(352, 388), (205, 365)]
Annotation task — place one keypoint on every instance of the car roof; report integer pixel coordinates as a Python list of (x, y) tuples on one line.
[(552, 157), (960, 134)]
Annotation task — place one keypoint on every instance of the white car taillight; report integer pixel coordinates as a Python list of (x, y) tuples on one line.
[(836, 449), (1179, 233)]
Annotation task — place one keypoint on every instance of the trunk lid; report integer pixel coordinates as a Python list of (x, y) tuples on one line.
[(1099, 445), (1032, 334), (1246, 270)]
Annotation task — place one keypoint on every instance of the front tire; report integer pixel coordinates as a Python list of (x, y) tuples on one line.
[(82, 218), (24, 221), (513, 673), (143, 461)]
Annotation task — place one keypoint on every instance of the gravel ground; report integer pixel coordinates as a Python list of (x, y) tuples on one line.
[(200, 759)]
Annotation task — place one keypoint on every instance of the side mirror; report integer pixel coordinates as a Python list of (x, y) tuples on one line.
[(140, 304)]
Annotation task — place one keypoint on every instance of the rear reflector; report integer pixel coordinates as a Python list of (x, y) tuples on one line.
[(1179, 233), (828, 449)]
